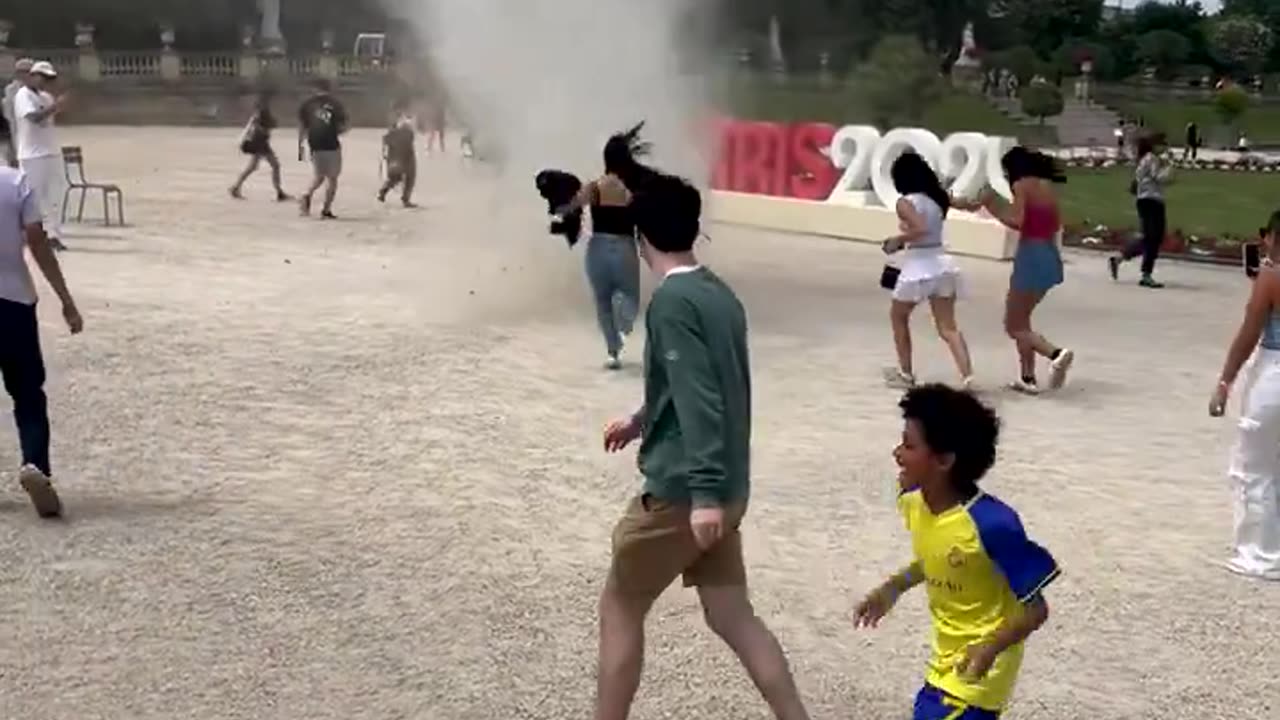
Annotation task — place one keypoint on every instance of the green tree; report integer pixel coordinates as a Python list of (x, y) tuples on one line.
[(1230, 103), (1075, 51), (1042, 100), (1022, 61), (1164, 50), (1046, 24), (899, 81), (1241, 42)]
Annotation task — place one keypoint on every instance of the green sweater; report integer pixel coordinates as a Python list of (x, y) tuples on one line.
[(697, 410)]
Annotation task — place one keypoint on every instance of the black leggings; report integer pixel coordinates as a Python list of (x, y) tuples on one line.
[(1151, 213)]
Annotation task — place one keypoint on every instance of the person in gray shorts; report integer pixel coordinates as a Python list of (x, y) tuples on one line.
[(321, 122)]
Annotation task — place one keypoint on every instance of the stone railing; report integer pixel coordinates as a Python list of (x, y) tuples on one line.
[(89, 65)]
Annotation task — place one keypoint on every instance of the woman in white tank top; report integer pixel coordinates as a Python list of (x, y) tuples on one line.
[(926, 271)]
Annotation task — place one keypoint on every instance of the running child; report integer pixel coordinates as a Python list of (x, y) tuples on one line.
[(983, 577)]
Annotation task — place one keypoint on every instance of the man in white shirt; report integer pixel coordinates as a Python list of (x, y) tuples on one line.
[(9, 139), (39, 154), (21, 362)]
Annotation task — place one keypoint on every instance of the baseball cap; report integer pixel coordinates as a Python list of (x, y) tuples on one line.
[(44, 68), (24, 65)]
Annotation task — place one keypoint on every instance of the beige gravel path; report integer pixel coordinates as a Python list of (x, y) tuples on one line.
[(352, 470)]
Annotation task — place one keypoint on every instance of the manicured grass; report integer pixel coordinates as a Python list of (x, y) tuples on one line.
[(840, 104), (1260, 122), (1200, 202)]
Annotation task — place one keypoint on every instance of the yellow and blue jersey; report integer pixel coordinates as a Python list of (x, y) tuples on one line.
[(980, 570)]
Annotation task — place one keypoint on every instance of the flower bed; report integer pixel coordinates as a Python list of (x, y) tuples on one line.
[(1223, 250)]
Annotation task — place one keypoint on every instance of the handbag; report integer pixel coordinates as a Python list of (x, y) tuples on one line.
[(889, 277)]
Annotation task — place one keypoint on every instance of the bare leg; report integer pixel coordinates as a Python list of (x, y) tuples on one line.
[(1018, 309), (900, 321), (249, 170), (944, 316), (274, 162), (621, 657), (330, 193), (729, 614)]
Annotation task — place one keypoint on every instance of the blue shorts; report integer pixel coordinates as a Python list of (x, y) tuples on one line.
[(933, 704), (1037, 266)]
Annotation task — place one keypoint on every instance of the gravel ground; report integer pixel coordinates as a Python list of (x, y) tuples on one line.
[(352, 470)]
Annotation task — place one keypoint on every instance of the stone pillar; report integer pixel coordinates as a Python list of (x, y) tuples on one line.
[(7, 58), (272, 39), (330, 67), (90, 65), (170, 61)]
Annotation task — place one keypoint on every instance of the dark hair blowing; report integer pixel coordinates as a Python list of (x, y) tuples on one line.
[(955, 423), (1148, 142), (620, 154), (1021, 163), (911, 175), (668, 212)]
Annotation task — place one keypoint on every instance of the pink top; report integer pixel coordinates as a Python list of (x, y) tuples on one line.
[(1040, 222)]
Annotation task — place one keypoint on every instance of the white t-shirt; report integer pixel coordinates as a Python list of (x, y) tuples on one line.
[(18, 209), (35, 139)]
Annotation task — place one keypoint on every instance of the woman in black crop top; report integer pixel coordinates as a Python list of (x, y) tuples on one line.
[(613, 261)]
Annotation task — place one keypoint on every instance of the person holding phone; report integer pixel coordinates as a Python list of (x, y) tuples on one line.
[(1255, 463)]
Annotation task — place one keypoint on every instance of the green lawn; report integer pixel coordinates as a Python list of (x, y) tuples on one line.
[(1202, 202), (806, 100), (1260, 122)]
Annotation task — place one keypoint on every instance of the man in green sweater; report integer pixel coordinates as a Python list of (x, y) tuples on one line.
[(695, 432)]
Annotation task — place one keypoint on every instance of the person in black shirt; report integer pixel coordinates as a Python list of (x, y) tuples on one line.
[(256, 143), (321, 122), (401, 156)]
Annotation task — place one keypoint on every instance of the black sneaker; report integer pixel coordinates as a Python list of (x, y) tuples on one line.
[(328, 215), (1113, 264), (282, 196), (1149, 282)]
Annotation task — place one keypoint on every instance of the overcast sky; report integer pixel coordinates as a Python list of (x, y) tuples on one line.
[(1209, 5)]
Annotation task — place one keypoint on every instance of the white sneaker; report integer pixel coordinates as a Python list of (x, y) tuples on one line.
[(1061, 367), (1024, 387), (1239, 568), (40, 489), (898, 380), (613, 363)]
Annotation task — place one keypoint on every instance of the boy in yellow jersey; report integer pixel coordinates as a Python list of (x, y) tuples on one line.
[(983, 576)]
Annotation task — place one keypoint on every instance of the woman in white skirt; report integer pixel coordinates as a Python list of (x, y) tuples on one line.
[(1255, 461), (926, 271)]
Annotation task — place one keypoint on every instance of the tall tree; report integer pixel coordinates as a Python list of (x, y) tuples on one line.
[(1046, 24), (1241, 42)]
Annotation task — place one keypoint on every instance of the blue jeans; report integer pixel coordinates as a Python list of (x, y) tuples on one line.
[(613, 268), (22, 366)]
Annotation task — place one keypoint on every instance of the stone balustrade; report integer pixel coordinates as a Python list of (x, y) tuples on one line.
[(89, 65)]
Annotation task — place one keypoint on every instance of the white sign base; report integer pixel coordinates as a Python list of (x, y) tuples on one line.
[(964, 233)]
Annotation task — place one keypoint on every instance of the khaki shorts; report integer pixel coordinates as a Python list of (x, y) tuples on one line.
[(653, 544), (328, 163)]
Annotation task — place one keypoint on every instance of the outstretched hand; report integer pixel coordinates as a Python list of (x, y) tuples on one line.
[(874, 607)]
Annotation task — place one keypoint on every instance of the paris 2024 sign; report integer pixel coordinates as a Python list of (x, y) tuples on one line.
[(848, 165)]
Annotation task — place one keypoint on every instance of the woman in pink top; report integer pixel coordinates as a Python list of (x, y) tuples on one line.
[(1037, 265)]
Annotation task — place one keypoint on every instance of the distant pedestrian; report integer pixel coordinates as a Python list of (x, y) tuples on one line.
[(8, 120), (1191, 145), (39, 154), (401, 157), (256, 143), (438, 122), (1149, 180), (322, 121)]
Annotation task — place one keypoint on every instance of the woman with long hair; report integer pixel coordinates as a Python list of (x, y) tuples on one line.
[(927, 272), (1037, 264), (256, 143), (1255, 461), (613, 261), (1150, 177)]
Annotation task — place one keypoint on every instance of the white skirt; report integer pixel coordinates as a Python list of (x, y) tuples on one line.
[(927, 273)]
